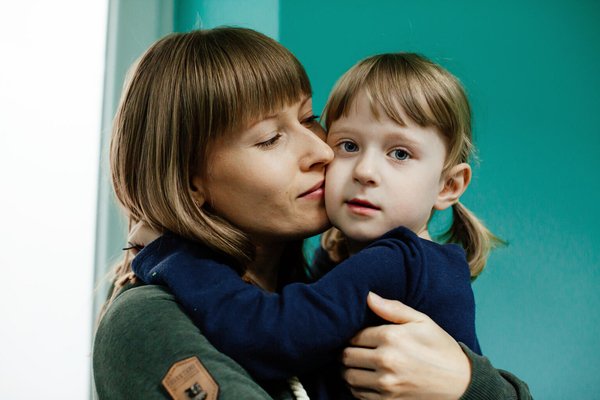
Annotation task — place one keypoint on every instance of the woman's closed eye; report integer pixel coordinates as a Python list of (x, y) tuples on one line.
[(270, 142), (399, 154)]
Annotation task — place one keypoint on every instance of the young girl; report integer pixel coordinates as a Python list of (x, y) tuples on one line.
[(400, 129), (396, 97)]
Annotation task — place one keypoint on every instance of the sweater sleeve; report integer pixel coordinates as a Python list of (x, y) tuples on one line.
[(490, 383), (275, 336), (142, 335)]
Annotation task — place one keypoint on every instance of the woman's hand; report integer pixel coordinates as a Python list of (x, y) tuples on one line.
[(141, 235), (414, 359)]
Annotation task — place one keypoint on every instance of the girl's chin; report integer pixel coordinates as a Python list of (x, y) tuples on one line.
[(361, 239)]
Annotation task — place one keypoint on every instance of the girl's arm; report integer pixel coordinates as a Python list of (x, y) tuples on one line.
[(275, 336)]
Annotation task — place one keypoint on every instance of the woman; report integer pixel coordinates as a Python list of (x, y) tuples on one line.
[(215, 140)]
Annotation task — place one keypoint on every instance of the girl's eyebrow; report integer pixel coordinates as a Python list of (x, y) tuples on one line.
[(404, 135), (397, 133), (342, 129)]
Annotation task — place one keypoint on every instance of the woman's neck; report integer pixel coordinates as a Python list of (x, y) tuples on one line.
[(264, 270)]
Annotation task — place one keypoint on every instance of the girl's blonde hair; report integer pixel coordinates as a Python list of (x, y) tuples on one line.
[(430, 96), (185, 91)]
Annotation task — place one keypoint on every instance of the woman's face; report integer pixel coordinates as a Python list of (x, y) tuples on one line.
[(268, 179)]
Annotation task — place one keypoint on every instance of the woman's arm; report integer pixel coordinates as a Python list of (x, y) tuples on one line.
[(275, 336), (417, 359), (143, 334)]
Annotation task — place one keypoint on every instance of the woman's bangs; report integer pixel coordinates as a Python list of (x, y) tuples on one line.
[(268, 87)]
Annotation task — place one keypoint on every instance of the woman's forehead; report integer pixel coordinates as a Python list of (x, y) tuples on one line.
[(277, 110)]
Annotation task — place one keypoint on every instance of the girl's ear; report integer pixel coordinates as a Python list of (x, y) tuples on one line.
[(455, 182), (197, 190)]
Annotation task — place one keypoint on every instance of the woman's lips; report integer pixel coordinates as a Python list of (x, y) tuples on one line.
[(315, 192), (362, 207)]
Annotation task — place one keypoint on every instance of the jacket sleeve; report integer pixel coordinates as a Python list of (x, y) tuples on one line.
[(143, 333), (275, 336), (489, 383)]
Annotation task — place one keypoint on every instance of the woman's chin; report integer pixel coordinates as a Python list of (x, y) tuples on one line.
[(322, 228), (316, 227)]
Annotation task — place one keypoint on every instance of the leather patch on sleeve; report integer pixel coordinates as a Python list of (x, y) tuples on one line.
[(189, 380)]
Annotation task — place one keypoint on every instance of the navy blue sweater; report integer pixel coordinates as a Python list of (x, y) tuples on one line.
[(278, 335)]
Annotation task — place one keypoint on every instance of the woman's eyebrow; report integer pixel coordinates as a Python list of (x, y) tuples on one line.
[(303, 100), (262, 119)]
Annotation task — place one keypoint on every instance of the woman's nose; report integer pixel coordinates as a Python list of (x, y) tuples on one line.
[(317, 152), (365, 171)]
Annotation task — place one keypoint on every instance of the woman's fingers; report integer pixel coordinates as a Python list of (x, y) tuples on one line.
[(358, 357), (365, 394), (360, 379), (393, 310), (368, 337), (411, 359)]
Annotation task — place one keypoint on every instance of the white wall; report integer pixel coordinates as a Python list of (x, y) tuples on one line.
[(51, 73)]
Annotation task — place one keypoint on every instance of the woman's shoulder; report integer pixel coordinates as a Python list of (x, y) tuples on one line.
[(145, 340), (140, 296)]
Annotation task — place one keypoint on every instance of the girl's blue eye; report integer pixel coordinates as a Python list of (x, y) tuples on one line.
[(400, 154), (269, 143), (349, 147)]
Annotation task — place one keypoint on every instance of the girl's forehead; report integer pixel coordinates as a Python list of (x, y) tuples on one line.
[(365, 106)]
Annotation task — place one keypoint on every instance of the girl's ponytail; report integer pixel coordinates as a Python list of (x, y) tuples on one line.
[(468, 231), (334, 243)]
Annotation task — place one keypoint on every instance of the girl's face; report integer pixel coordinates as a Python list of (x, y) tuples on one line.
[(268, 180), (384, 175)]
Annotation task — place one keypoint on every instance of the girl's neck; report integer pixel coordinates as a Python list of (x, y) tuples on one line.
[(424, 233), (264, 270), (355, 246)]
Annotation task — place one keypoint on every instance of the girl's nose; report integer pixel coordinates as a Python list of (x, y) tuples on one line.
[(365, 171)]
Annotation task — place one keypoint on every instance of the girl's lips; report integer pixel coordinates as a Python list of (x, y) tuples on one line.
[(362, 203), (362, 207)]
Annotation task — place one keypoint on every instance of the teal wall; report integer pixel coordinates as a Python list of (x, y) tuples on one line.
[(262, 15), (532, 73)]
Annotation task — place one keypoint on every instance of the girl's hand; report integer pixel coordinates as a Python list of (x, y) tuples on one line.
[(140, 236), (414, 359)]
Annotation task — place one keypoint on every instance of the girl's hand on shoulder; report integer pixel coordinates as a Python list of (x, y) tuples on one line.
[(141, 235), (413, 359)]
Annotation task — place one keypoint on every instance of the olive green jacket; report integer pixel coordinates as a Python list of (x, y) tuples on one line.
[(144, 333)]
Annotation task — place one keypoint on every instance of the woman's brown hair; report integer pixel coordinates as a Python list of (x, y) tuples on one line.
[(185, 91)]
